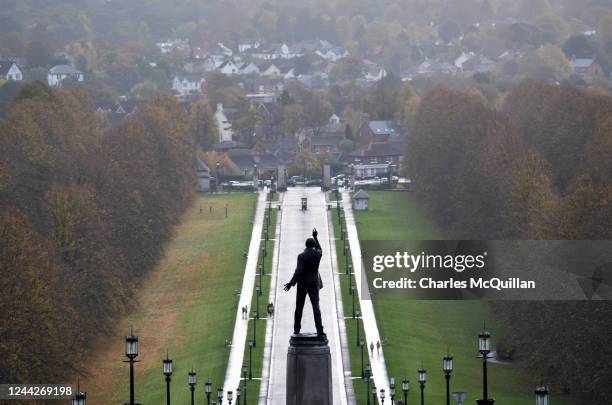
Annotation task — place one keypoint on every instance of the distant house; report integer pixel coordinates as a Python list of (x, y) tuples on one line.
[(203, 173), (242, 162), (377, 153), (587, 68), (333, 54), (57, 74), (228, 68), (322, 144), (184, 85), (247, 44), (248, 68), (270, 71), (376, 131), (226, 133), (10, 71), (361, 201)]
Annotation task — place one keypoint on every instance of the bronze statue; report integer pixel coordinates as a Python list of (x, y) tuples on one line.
[(309, 282)]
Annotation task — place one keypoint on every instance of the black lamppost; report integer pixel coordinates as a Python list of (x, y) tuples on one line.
[(208, 390), (238, 394), (220, 395), (422, 381), (361, 346), (131, 351), (191, 376), (541, 395), (373, 393), (218, 173), (80, 398), (366, 377), (358, 313), (392, 390), (244, 384), (251, 346), (484, 348), (382, 396), (353, 294), (230, 397), (405, 389), (255, 318), (167, 367), (257, 293), (447, 366)]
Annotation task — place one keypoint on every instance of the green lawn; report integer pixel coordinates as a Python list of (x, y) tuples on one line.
[(257, 351), (186, 306), (352, 325), (422, 331)]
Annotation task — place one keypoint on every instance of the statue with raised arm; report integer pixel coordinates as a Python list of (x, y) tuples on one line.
[(309, 282)]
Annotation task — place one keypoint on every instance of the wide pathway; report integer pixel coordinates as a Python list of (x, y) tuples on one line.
[(234, 366), (296, 227), (377, 360)]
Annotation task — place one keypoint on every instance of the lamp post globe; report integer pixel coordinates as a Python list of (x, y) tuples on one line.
[(238, 395), (382, 396), (230, 397), (220, 395), (208, 390), (405, 389), (167, 369), (447, 366), (191, 379), (392, 389), (422, 381), (131, 352), (541, 395), (80, 398), (484, 348)]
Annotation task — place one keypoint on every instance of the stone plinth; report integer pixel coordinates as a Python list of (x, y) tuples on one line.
[(309, 379)]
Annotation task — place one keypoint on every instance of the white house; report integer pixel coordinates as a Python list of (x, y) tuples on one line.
[(10, 71), (57, 74), (288, 73), (226, 133), (187, 84), (360, 201), (248, 68), (271, 71), (228, 68), (333, 54), (248, 44)]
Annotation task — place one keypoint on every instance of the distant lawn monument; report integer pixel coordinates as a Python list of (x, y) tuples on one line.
[(361, 201)]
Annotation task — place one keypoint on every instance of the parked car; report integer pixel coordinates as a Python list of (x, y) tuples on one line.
[(314, 182)]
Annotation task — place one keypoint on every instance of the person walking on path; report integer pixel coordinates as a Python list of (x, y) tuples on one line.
[(371, 348), (378, 348), (308, 281)]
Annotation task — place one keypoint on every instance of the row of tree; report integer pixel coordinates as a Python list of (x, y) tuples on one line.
[(540, 168), (83, 214)]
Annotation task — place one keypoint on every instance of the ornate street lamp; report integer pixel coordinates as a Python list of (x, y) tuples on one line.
[(422, 381), (382, 396), (366, 377), (131, 352), (251, 346), (238, 395), (484, 348), (373, 393), (244, 386), (191, 376), (353, 294), (208, 390), (405, 389), (447, 366), (220, 395), (80, 398), (392, 390), (230, 397), (361, 346), (167, 367), (541, 395), (357, 317), (255, 318), (257, 293)]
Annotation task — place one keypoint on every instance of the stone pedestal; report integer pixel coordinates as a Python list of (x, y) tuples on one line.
[(309, 379)]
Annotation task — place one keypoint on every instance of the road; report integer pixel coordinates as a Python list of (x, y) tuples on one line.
[(296, 226)]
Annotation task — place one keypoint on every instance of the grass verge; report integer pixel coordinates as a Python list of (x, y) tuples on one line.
[(186, 305)]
